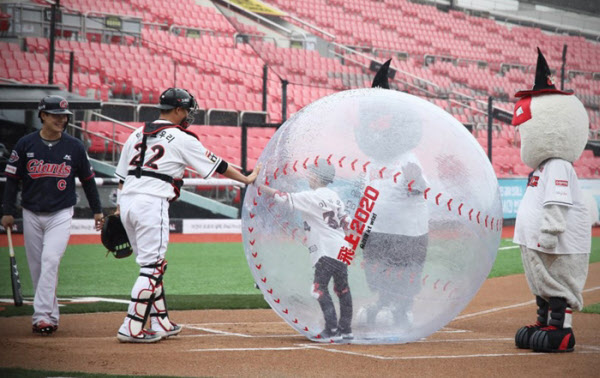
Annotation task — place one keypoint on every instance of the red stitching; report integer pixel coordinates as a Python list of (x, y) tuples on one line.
[(264, 279), (275, 173), (285, 169), (396, 175), (425, 192), (479, 212), (446, 285), (316, 161), (381, 172), (437, 198), (329, 160), (258, 266), (296, 162), (470, 212), (459, 212), (250, 229), (270, 291), (252, 215), (449, 202), (410, 185), (304, 164), (340, 162), (254, 254), (285, 311), (486, 218), (277, 300), (365, 166), (354, 162), (252, 241)]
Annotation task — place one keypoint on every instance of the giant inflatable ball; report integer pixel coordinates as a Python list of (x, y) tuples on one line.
[(423, 216)]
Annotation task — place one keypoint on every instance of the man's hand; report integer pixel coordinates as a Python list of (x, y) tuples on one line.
[(98, 221), (547, 240), (7, 221)]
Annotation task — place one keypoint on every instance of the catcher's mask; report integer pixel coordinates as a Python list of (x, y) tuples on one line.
[(179, 98), (54, 105)]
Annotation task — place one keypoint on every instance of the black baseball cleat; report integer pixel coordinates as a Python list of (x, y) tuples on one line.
[(43, 328), (523, 336), (553, 340)]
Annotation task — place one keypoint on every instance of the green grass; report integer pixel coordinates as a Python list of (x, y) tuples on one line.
[(199, 276), (592, 309), (508, 261)]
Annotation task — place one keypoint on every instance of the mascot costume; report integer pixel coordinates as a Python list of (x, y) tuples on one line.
[(552, 227)]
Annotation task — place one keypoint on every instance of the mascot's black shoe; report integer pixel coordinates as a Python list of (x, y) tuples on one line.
[(523, 336), (553, 340)]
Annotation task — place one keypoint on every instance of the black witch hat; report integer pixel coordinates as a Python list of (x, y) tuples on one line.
[(544, 81), (381, 78)]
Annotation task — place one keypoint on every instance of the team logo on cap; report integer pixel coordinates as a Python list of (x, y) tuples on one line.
[(14, 156), (64, 104)]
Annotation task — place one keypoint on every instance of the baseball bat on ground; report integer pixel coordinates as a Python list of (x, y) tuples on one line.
[(14, 272)]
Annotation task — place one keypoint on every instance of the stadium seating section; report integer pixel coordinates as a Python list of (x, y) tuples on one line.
[(448, 54)]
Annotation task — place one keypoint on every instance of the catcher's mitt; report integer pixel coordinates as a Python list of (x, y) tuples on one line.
[(114, 237)]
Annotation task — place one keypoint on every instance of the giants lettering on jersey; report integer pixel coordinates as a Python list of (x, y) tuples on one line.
[(37, 169)]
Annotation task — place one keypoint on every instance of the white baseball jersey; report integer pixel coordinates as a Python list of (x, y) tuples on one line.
[(167, 153), (399, 210), (323, 214), (554, 183)]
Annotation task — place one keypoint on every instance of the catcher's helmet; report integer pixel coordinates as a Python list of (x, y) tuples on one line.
[(176, 98), (54, 105)]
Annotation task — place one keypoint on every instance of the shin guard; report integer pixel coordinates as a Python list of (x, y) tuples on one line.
[(143, 296)]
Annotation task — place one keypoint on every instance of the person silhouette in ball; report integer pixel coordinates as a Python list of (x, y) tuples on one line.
[(324, 221), (395, 250)]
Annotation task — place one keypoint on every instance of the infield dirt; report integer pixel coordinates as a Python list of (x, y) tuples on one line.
[(479, 342)]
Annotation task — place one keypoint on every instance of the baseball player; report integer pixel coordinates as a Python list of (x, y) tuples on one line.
[(325, 220), (150, 170), (47, 162)]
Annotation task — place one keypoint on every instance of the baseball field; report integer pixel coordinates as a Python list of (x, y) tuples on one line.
[(230, 331)]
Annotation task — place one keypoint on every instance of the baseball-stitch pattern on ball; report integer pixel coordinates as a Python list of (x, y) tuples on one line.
[(435, 285)]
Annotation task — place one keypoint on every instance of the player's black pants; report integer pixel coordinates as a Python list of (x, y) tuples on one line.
[(326, 268), (393, 266)]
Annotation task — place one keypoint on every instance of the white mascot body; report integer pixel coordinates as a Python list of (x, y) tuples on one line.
[(552, 225)]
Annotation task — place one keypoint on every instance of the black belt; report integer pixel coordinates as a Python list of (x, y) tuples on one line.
[(159, 176)]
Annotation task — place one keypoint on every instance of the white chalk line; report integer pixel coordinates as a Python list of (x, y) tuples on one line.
[(246, 349)]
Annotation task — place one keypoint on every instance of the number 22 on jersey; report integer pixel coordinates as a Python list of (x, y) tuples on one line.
[(158, 150)]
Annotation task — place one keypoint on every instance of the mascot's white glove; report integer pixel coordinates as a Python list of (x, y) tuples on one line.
[(554, 222), (547, 241)]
